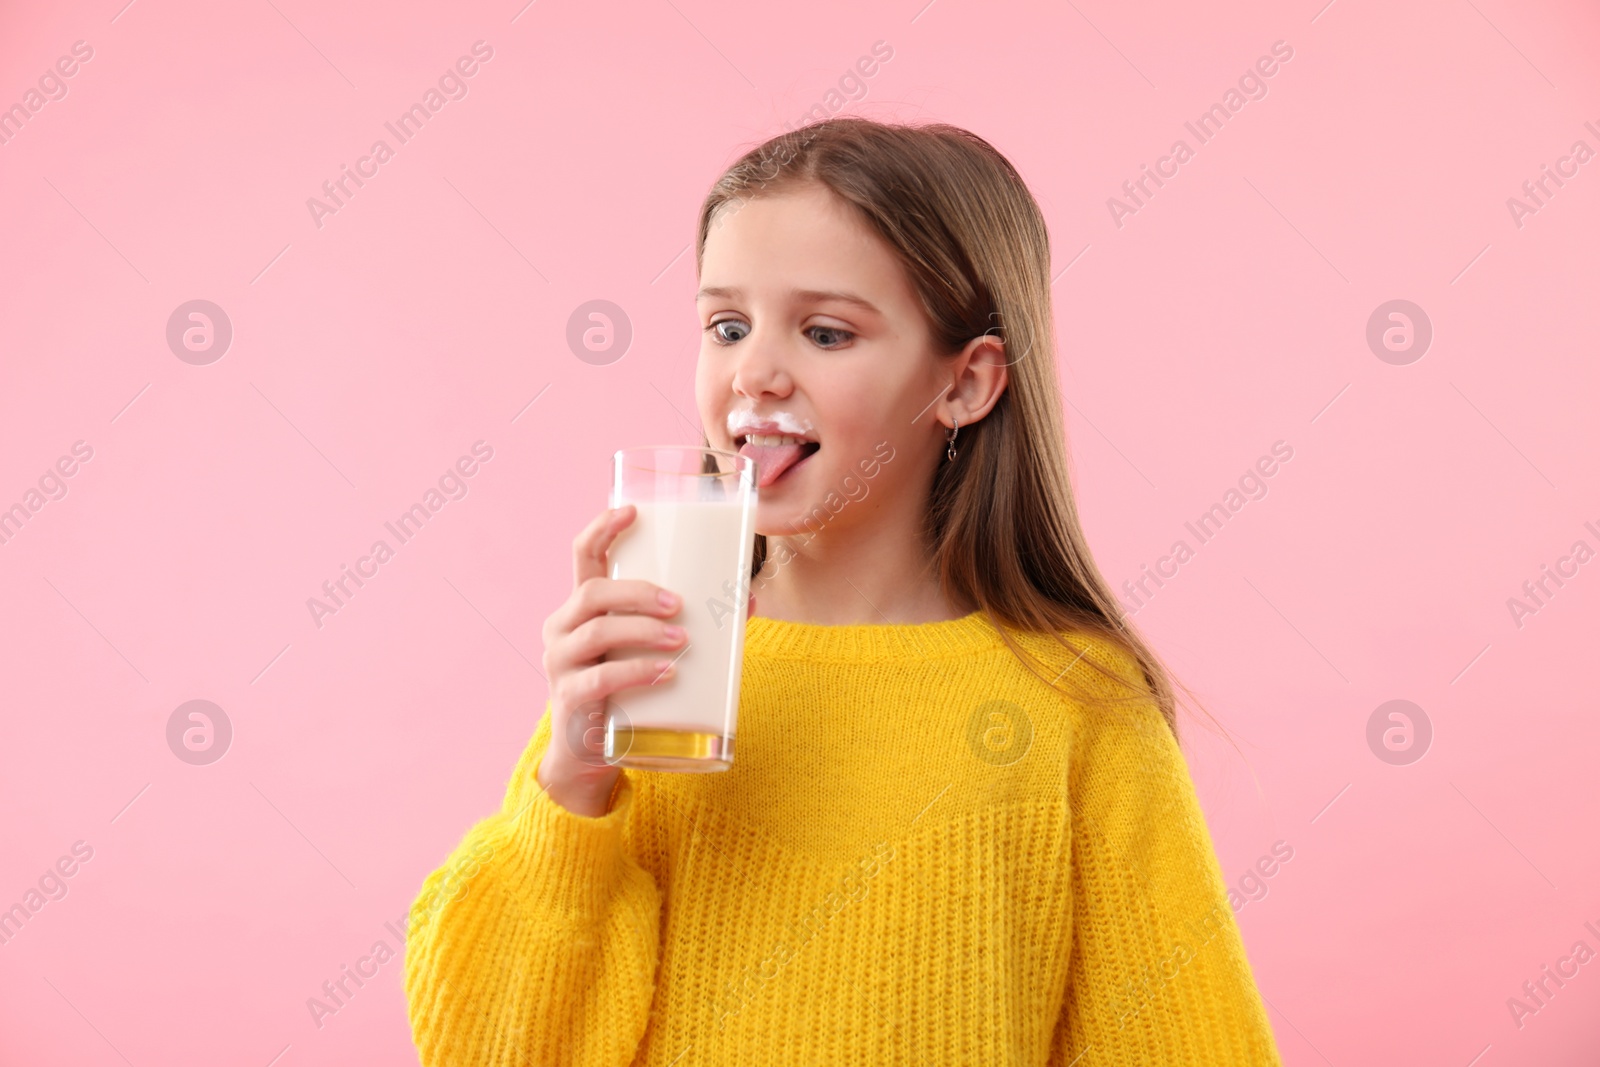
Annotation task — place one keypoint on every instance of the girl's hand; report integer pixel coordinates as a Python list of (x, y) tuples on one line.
[(577, 637)]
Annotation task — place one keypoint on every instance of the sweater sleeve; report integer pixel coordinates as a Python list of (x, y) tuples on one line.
[(537, 941), (1158, 971)]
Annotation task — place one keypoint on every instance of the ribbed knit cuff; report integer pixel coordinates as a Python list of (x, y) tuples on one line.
[(569, 862)]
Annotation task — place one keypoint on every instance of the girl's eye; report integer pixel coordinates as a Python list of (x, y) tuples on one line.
[(834, 330), (715, 330), (824, 336)]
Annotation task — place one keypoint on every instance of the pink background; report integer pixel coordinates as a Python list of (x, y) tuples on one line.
[(368, 354)]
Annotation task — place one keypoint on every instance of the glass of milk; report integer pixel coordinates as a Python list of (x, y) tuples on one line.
[(694, 535)]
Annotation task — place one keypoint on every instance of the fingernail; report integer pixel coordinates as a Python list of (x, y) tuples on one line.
[(674, 632), (668, 600), (664, 666)]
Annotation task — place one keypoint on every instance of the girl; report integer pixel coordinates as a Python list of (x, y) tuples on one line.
[(958, 828)]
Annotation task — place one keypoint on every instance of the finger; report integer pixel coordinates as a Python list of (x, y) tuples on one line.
[(595, 683), (633, 595), (594, 639), (589, 547), (593, 600)]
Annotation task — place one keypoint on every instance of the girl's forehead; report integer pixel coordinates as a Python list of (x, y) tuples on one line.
[(794, 242), (803, 208)]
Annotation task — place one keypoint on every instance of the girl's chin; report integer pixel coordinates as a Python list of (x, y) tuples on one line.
[(788, 520), (783, 525)]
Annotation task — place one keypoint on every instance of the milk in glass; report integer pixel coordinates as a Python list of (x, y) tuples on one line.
[(701, 550)]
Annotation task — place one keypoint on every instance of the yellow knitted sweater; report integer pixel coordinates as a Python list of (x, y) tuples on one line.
[(921, 855)]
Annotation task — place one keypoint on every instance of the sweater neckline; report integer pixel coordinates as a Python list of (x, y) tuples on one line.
[(869, 642)]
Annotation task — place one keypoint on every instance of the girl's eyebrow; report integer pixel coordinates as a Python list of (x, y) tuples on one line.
[(734, 293)]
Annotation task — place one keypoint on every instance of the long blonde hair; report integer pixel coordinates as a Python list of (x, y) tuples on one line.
[(1001, 523)]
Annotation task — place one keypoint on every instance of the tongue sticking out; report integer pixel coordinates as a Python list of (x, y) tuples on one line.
[(773, 460)]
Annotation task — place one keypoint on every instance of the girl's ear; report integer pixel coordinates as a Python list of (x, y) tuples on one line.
[(978, 377)]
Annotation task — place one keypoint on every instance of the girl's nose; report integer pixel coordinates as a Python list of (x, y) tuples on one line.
[(759, 367)]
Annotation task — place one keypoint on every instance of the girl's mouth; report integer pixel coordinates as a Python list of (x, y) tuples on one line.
[(775, 455)]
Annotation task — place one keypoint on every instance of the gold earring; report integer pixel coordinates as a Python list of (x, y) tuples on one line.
[(950, 442)]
